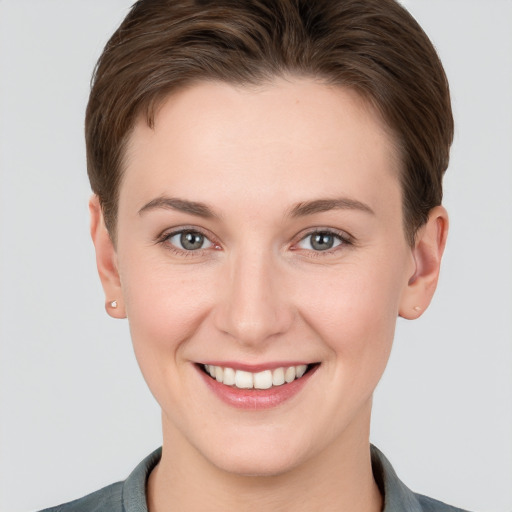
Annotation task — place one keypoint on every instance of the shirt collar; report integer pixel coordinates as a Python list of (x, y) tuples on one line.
[(397, 497), (134, 487)]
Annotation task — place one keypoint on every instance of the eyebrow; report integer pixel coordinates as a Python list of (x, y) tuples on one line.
[(299, 210), (324, 205), (182, 205)]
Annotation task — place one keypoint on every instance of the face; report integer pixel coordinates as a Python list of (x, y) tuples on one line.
[(260, 235)]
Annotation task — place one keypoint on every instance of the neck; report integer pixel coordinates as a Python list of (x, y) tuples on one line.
[(339, 478)]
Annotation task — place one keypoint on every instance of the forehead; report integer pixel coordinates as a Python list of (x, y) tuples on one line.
[(292, 135)]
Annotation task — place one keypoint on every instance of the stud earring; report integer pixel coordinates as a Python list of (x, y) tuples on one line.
[(417, 308), (113, 304)]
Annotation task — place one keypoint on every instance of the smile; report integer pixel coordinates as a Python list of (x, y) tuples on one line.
[(262, 388), (265, 379)]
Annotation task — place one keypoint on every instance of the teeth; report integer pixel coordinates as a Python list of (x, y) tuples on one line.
[(260, 380), (300, 370), (243, 380), (278, 377), (289, 374), (263, 380), (229, 376)]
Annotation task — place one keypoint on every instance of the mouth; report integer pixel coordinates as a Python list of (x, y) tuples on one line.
[(261, 380)]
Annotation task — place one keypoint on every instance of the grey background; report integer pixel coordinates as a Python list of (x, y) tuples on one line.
[(74, 412)]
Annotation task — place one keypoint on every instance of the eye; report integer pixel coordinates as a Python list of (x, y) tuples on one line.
[(321, 241), (189, 240)]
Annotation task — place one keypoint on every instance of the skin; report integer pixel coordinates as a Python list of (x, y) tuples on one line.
[(259, 292)]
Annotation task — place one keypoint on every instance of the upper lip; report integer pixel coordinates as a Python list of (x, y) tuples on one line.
[(254, 368)]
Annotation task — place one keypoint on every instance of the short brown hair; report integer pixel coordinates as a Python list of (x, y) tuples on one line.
[(372, 46)]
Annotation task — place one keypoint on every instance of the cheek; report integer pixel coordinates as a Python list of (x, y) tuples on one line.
[(354, 309), (164, 306), (165, 311)]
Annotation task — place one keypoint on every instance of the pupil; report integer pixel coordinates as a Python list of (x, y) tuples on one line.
[(322, 241), (191, 241)]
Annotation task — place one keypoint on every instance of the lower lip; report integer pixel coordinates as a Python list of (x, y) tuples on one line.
[(256, 398)]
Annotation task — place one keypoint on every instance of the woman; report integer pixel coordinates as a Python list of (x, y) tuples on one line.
[(267, 201), (267, 183)]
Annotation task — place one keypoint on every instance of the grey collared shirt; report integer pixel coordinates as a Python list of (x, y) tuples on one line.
[(130, 495)]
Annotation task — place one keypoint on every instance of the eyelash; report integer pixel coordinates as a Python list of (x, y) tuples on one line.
[(164, 240), (343, 238)]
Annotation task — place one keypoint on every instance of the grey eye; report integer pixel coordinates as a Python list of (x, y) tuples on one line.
[(190, 240), (320, 241)]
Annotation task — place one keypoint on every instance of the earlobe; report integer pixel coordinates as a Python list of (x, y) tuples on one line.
[(427, 253), (106, 261)]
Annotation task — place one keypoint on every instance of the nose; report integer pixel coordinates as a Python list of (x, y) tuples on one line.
[(254, 306)]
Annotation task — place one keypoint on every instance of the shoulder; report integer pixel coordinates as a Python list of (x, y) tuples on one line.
[(431, 505), (126, 496), (108, 499), (397, 496)]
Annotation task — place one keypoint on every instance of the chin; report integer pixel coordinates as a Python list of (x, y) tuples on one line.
[(262, 457), (256, 465)]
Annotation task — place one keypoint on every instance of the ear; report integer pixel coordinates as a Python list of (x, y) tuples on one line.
[(106, 261), (427, 253)]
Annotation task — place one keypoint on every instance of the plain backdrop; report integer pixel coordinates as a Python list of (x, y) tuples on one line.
[(75, 413)]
